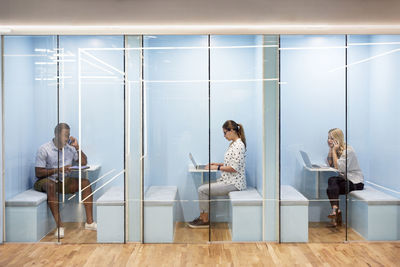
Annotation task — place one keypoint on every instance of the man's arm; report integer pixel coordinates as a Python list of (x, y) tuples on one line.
[(75, 144), (43, 172), (83, 158)]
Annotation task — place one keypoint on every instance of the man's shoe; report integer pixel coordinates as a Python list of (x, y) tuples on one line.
[(92, 226)]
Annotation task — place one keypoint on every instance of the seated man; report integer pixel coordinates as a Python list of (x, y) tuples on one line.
[(50, 165)]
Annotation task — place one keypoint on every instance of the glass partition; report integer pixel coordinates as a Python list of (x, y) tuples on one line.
[(30, 115), (372, 137), (92, 102), (1, 146), (239, 83), (176, 124), (312, 102), (134, 137)]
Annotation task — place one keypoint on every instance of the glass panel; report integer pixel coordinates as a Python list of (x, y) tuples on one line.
[(271, 137), (1, 145), (134, 137), (92, 104), (237, 137), (175, 124), (373, 133), (312, 103), (30, 114)]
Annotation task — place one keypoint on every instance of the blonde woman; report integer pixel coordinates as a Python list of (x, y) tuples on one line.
[(232, 172), (342, 184)]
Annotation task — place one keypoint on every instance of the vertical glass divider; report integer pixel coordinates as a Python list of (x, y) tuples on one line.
[(278, 211), (209, 136), (263, 142), (142, 139), (2, 141), (346, 126), (126, 139)]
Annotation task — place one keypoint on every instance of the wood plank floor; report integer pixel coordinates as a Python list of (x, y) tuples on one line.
[(185, 234), (317, 233), (245, 254), (74, 233)]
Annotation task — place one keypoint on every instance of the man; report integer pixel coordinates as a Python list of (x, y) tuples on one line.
[(50, 164)]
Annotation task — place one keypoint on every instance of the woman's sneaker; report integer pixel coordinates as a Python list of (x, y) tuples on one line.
[(198, 223), (61, 229)]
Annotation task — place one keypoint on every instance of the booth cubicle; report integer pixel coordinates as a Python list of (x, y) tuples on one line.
[(139, 105)]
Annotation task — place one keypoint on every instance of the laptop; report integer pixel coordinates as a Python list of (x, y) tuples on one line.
[(308, 163), (198, 167)]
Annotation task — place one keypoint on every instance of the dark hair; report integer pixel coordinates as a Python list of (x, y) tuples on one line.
[(61, 126), (237, 127)]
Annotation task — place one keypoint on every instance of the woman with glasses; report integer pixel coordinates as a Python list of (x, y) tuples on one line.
[(232, 172), (339, 152)]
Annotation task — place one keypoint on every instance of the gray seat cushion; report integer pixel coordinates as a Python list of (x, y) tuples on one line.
[(248, 197), (373, 196), (291, 197), (112, 197), (28, 198), (160, 196)]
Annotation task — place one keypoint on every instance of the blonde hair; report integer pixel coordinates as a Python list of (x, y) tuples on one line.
[(338, 135)]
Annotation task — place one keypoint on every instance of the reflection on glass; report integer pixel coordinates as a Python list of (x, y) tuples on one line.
[(373, 132), (312, 102)]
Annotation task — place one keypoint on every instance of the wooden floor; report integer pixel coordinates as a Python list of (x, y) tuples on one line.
[(74, 233), (317, 233), (320, 232), (245, 254), (185, 234)]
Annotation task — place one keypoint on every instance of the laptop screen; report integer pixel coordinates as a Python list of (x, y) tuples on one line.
[(192, 159)]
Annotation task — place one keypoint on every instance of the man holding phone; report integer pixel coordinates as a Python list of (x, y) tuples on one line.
[(54, 158)]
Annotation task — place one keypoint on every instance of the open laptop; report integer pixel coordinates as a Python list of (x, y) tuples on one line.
[(198, 167), (308, 163)]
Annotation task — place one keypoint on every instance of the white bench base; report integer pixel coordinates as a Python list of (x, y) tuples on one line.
[(374, 214), (159, 214), (294, 215), (110, 216), (246, 215), (28, 218)]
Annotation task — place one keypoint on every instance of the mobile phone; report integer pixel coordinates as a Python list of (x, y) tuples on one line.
[(69, 141)]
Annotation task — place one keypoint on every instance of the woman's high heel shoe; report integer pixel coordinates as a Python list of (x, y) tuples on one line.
[(333, 214), (338, 218)]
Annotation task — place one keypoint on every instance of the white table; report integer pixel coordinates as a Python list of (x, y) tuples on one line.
[(192, 169), (318, 174)]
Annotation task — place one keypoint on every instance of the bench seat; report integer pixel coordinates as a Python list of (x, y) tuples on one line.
[(28, 218), (110, 216), (246, 215), (374, 214), (160, 214), (294, 215)]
